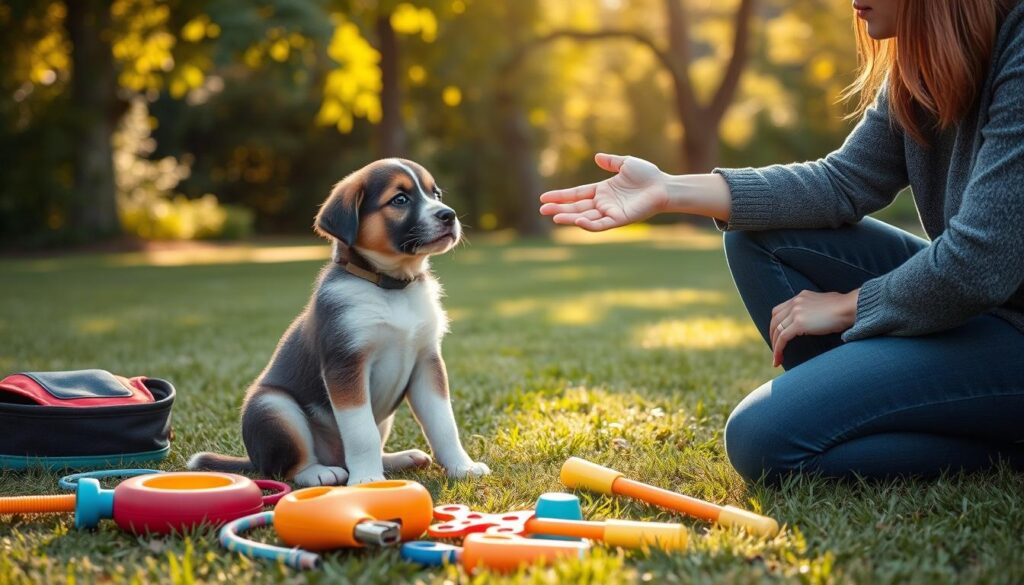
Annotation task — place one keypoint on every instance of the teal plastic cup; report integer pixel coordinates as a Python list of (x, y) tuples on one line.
[(558, 506)]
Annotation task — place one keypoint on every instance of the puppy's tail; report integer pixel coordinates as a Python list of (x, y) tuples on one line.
[(217, 462)]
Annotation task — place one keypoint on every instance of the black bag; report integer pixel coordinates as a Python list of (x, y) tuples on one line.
[(83, 418)]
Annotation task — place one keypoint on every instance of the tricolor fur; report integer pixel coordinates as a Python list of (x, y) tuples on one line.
[(322, 409)]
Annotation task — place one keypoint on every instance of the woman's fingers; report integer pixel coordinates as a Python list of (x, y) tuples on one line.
[(784, 321), (569, 195), (776, 328), (570, 218), (785, 335), (596, 225), (609, 162), (783, 327), (788, 324), (566, 218), (790, 329), (780, 312), (577, 207)]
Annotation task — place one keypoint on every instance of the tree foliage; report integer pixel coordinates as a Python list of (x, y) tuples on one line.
[(275, 100)]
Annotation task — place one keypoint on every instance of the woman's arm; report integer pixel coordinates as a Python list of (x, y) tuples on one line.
[(706, 195), (862, 176), (978, 262)]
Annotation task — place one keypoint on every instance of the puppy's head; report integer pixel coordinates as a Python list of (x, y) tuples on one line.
[(390, 210)]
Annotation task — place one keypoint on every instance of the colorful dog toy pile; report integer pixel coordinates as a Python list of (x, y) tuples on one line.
[(380, 514), (386, 513)]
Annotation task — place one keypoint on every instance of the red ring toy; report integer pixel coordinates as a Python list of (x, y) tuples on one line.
[(155, 502), (165, 502)]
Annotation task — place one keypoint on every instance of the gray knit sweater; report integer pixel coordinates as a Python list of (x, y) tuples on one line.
[(968, 185)]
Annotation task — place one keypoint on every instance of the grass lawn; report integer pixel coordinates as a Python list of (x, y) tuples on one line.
[(629, 350)]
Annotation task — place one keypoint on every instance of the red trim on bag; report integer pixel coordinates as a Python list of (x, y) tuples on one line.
[(26, 387), (138, 383)]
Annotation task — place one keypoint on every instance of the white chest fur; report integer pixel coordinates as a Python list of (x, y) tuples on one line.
[(392, 329)]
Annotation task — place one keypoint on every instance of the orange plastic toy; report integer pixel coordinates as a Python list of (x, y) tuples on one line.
[(458, 520), (580, 473), (497, 552), (503, 552), (379, 513)]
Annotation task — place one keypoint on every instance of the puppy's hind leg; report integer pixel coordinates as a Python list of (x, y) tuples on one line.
[(280, 442), (410, 458)]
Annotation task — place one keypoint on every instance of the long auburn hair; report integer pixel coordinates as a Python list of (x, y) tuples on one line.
[(935, 64)]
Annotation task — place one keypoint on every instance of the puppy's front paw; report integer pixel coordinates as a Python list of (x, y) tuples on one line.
[(317, 474), (469, 469), (364, 479)]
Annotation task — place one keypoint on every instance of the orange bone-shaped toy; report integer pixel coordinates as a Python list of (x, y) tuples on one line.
[(323, 518)]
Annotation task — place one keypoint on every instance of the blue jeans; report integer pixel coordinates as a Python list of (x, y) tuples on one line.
[(876, 407)]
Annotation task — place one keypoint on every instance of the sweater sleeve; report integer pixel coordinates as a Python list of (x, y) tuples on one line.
[(977, 263), (862, 176)]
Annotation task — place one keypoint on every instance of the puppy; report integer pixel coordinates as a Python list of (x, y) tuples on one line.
[(321, 411)]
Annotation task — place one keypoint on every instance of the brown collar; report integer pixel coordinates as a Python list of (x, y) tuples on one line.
[(358, 266)]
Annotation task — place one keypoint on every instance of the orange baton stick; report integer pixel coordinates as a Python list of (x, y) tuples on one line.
[(37, 504), (572, 528), (624, 533), (580, 473)]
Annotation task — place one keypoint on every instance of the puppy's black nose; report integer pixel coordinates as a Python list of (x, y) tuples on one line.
[(446, 215)]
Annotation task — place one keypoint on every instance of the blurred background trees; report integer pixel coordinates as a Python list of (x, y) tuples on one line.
[(211, 118)]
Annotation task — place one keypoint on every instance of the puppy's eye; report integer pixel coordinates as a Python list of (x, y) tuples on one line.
[(400, 199), (437, 193)]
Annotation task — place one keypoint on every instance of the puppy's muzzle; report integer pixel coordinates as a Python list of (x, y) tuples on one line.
[(446, 215), (444, 229)]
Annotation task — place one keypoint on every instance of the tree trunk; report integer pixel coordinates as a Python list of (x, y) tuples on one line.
[(93, 210), (700, 148), (390, 131), (525, 182)]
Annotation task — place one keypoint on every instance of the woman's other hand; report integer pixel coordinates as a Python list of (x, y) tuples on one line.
[(635, 193), (811, 313)]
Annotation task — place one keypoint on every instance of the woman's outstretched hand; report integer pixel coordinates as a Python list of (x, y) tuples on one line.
[(635, 193)]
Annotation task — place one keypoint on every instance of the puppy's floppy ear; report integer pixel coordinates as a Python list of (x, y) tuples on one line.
[(339, 215)]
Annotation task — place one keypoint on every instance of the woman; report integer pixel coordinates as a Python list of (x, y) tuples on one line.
[(902, 356)]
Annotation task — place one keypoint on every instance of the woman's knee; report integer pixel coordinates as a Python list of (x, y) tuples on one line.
[(759, 445), (753, 266), (739, 245), (757, 242)]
